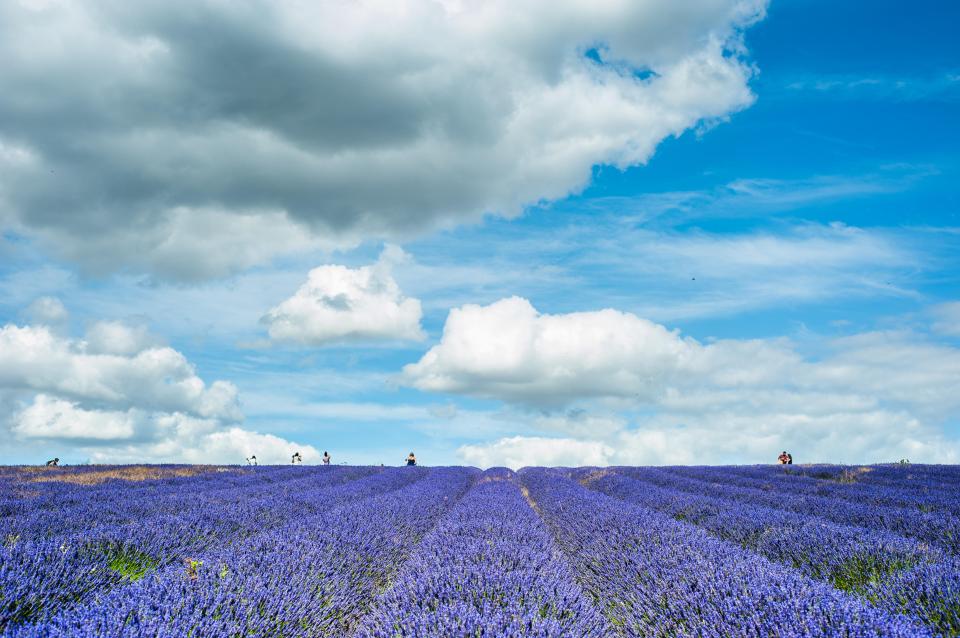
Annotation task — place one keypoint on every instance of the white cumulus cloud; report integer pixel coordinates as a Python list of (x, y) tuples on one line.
[(654, 396), (724, 436), (519, 451), (47, 311), (160, 378), (508, 350), (118, 396), (51, 418), (136, 436), (119, 338), (340, 304), (190, 139)]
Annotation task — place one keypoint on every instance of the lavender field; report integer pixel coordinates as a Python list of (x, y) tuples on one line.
[(453, 551)]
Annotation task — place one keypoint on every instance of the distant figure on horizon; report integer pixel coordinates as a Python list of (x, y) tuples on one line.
[(252, 460), (296, 458), (789, 459), (326, 458), (784, 458), (54, 462), (411, 459)]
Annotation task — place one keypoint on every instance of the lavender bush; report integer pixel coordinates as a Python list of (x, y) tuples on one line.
[(164, 551)]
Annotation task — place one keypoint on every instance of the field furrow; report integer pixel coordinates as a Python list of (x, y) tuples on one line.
[(373, 552), (43, 577), (937, 529), (845, 486), (315, 576), (883, 568), (660, 577), (489, 568)]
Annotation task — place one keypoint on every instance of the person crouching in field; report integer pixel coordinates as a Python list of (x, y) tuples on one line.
[(54, 462), (411, 459)]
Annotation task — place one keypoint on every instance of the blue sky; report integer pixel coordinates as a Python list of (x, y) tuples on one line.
[(767, 262)]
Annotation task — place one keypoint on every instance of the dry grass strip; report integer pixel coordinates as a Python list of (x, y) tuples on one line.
[(84, 475)]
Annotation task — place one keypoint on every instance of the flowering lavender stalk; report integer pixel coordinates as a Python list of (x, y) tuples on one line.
[(936, 528), (50, 510), (899, 476), (40, 578), (854, 559), (847, 485), (489, 568), (659, 577), (313, 577), (931, 592)]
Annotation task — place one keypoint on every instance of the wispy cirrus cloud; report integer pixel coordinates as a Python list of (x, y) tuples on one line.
[(746, 197), (943, 86), (947, 319), (669, 275)]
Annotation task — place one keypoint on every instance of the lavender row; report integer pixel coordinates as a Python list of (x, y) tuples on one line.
[(71, 508), (935, 528), (884, 568), (659, 577), (40, 578), (161, 535), (940, 480), (934, 480), (924, 477), (313, 577), (59, 488), (784, 479), (488, 569)]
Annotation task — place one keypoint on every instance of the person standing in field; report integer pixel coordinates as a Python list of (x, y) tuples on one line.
[(411, 459), (326, 458), (784, 458)]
